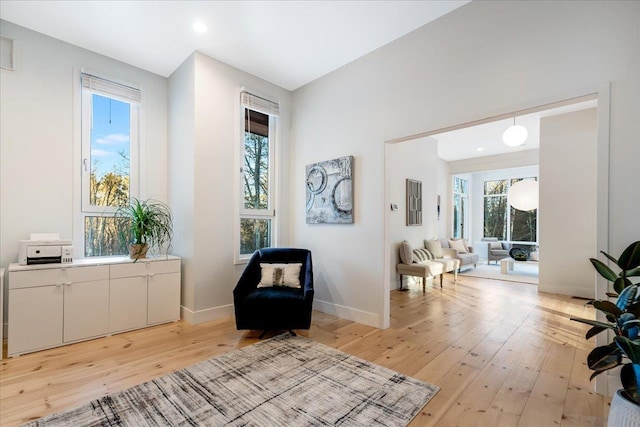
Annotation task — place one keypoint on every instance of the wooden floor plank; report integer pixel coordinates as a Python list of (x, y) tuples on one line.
[(502, 353)]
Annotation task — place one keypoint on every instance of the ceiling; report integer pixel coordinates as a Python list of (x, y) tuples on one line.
[(288, 43), (465, 143)]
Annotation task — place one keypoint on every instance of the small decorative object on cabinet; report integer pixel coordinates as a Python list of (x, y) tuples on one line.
[(623, 319), (56, 304), (144, 224)]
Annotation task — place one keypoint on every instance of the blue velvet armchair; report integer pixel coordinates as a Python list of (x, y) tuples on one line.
[(278, 307)]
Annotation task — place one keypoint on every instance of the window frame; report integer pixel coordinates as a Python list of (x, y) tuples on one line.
[(84, 113), (241, 211), (508, 221)]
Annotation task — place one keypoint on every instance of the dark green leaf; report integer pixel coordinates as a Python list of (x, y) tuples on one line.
[(630, 258), (634, 309), (603, 269), (605, 357), (631, 348), (633, 272), (631, 381), (593, 322), (595, 331), (608, 307), (621, 283), (615, 261)]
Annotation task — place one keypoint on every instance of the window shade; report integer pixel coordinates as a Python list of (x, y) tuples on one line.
[(261, 105), (109, 88)]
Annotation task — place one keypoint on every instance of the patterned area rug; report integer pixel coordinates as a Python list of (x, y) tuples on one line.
[(282, 381)]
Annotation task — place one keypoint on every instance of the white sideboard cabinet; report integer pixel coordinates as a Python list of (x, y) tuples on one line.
[(55, 304)]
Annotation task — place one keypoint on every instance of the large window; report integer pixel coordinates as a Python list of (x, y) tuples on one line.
[(503, 221), (257, 213), (110, 121), (460, 207)]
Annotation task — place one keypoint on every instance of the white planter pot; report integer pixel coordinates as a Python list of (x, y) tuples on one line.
[(623, 413)]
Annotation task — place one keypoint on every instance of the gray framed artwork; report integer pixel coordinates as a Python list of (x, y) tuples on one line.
[(414, 202), (330, 191)]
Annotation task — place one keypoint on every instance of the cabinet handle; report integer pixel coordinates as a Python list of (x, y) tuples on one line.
[(68, 284), (150, 274)]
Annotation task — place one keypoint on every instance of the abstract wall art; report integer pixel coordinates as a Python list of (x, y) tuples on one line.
[(330, 191), (414, 202)]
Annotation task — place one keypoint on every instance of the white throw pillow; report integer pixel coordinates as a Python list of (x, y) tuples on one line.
[(435, 247), (458, 245), (406, 252), (287, 275)]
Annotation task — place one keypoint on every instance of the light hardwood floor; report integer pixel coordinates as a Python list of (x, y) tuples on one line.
[(502, 353)]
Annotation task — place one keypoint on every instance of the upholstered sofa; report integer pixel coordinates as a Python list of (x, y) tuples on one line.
[(454, 248), (419, 262), (496, 250)]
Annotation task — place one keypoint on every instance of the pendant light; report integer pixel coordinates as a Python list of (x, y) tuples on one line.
[(515, 135)]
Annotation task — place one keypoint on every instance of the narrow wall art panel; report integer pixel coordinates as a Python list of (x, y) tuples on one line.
[(414, 202), (330, 191)]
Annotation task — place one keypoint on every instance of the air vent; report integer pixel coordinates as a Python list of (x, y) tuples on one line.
[(6, 53)]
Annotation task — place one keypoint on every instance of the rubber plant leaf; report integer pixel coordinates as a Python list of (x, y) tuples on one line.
[(629, 296), (595, 331), (634, 272), (621, 283), (631, 348), (605, 357), (608, 307), (630, 258), (630, 378), (593, 322), (603, 269), (615, 261)]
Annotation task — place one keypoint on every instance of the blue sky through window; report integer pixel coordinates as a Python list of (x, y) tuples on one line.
[(110, 135)]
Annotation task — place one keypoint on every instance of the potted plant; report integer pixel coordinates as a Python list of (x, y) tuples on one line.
[(623, 318), (145, 223)]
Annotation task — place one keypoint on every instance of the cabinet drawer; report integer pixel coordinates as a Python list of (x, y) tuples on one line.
[(54, 276), (163, 267), (128, 270)]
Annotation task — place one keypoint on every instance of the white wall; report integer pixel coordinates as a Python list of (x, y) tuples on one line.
[(39, 128), (482, 60), (444, 190), (206, 120), (415, 160), (567, 217)]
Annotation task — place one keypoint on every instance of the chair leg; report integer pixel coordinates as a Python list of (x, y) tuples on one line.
[(262, 334), (455, 274), (424, 284), (441, 275)]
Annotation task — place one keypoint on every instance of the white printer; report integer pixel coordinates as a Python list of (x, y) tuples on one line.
[(45, 248)]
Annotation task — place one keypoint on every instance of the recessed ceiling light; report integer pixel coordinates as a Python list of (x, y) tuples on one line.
[(479, 149), (199, 27)]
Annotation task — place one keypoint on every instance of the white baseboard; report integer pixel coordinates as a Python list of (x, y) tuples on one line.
[(206, 315), (572, 291), (349, 313)]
